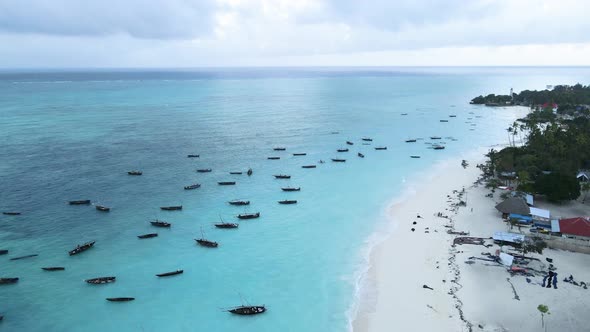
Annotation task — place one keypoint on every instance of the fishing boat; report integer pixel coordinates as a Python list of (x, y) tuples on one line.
[(23, 257), (366, 143), (291, 189), (11, 213), (168, 274), (235, 173), (439, 147), (435, 137), (279, 149), (206, 243), (53, 268), (80, 202), (120, 299), (282, 176), (452, 116), (101, 280), (288, 201), (249, 172), (82, 248), (171, 208), (381, 148), (342, 150), (159, 223), (300, 154), (273, 158), (249, 215), (147, 236), (3, 251), (204, 170), (5, 281), (247, 310), (135, 172), (192, 186), (102, 208), (308, 166), (415, 157), (239, 202), (410, 141), (360, 155), (349, 143), (226, 183), (444, 120), (338, 160), (193, 156), (404, 113), (226, 225), (366, 139)]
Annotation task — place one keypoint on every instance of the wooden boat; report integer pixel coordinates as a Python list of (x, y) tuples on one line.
[(120, 299), (11, 213), (404, 113), (23, 257), (452, 116), (53, 268), (206, 243), (102, 208), (282, 176), (349, 143), (342, 150), (171, 208), (226, 225), (247, 310), (3, 251), (381, 148), (410, 141), (435, 137), (444, 120), (366, 143), (439, 147), (273, 158), (168, 274), (338, 160), (366, 139), (415, 157), (204, 170), (288, 201), (226, 183), (249, 172), (279, 149), (135, 172), (300, 154), (249, 215), (238, 202), (6, 281), (101, 280), (235, 173), (192, 186), (80, 202), (147, 236), (360, 155), (291, 189), (82, 248), (159, 223), (193, 156), (308, 166)]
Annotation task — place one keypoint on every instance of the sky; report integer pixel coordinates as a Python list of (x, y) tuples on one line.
[(203, 33)]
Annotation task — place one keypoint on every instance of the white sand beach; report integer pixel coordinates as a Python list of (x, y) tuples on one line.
[(480, 296)]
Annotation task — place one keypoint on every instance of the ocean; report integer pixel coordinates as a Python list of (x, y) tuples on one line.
[(73, 135)]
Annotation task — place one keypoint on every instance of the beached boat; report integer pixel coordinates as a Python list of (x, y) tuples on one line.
[(247, 310), (3, 251), (381, 148), (204, 170), (342, 150), (82, 248), (308, 166), (282, 176), (193, 156), (120, 299), (366, 139), (279, 149), (288, 201), (23, 257), (168, 274), (53, 268), (6, 281), (11, 213), (159, 223), (249, 215), (226, 183), (439, 147), (135, 172), (102, 208), (360, 155), (349, 143), (435, 137), (239, 202), (80, 202), (338, 160), (147, 236), (300, 154), (101, 280), (273, 158), (291, 189), (410, 141), (249, 172), (171, 208), (226, 225), (192, 186), (235, 173), (415, 157)]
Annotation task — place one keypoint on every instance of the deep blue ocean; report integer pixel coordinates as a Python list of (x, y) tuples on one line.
[(72, 135)]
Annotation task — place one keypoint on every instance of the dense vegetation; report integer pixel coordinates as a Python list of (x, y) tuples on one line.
[(561, 94)]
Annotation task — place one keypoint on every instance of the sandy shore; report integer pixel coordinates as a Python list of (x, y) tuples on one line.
[(475, 296)]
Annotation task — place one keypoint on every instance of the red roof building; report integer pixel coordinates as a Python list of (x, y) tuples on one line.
[(575, 226)]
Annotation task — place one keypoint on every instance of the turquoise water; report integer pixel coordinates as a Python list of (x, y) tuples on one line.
[(74, 135)]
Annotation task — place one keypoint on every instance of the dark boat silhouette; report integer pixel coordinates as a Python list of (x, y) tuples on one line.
[(282, 176), (308, 166), (102, 208), (226, 225), (6, 281), (410, 141), (80, 202), (381, 148), (249, 215), (404, 114), (338, 160), (366, 139), (192, 186), (147, 236), (439, 147), (342, 150), (361, 155), (452, 116), (204, 170), (288, 201), (23, 257), (11, 213), (291, 189), (193, 156), (300, 154), (273, 158), (53, 268), (101, 280), (247, 310), (249, 172), (280, 149), (159, 223), (135, 172), (235, 173), (415, 157), (3, 251), (349, 143), (435, 137), (120, 299), (82, 248), (206, 243), (444, 120), (238, 202), (171, 208), (366, 143), (226, 183), (168, 274)]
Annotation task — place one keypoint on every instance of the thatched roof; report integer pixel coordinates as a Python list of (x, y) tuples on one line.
[(514, 205)]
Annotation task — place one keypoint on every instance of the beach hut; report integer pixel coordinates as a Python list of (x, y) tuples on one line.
[(540, 214), (508, 238), (575, 227), (515, 205), (521, 219), (583, 176)]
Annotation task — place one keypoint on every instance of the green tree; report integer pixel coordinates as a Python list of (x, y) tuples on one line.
[(558, 187), (544, 310)]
